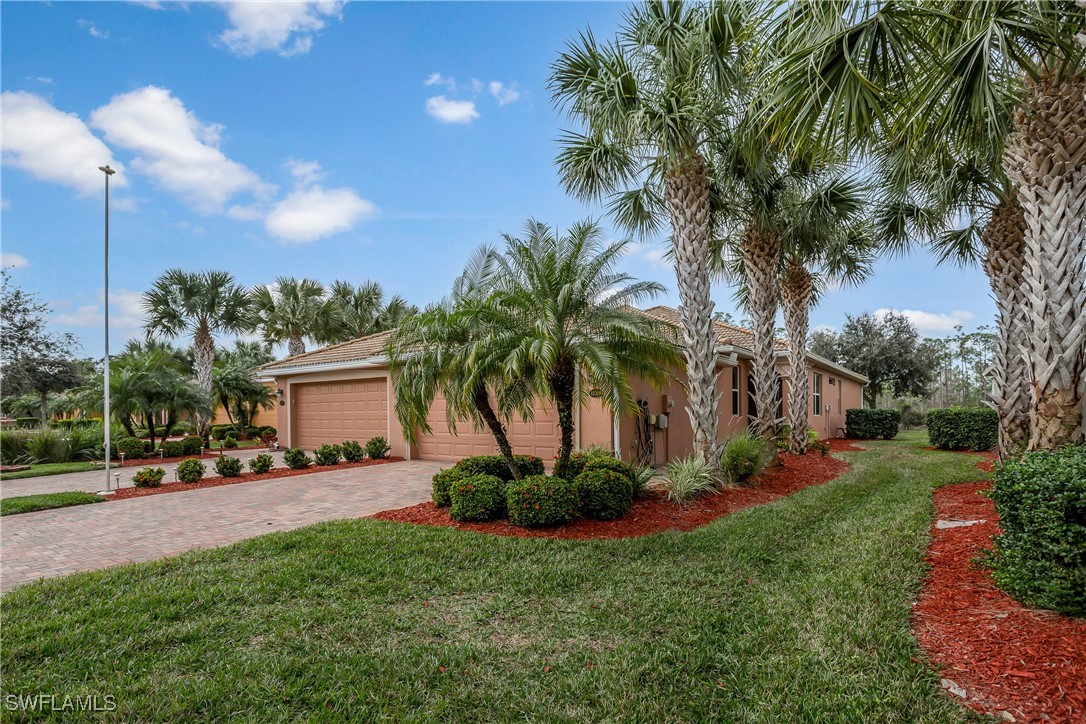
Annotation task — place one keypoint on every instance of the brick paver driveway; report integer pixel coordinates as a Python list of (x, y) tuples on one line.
[(57, 542)]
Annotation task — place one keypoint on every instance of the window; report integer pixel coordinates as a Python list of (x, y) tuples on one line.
[(735, 391), (816, 396)]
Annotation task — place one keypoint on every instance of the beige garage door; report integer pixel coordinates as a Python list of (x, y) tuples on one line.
[(331, 412), (538, 437)]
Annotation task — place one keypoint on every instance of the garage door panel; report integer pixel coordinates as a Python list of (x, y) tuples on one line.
[(536, 437), (331, 412)]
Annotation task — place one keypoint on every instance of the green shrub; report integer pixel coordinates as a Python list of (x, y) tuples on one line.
[(1040, 556), (538, 500), (963, 428), (191, 445), (352, 451), (233, 435), (65, 424), (148, 477), (12, 445), (442, 480), (603, 493), (268, 430), (253, 433), (296, 459), (262, 463), (744, 456), (495, 465), (27, 422), (219, 431), (642, 476), (327, 454), (227, 466), (131, 447), (865, 424), (609, 463), (47, 445), (377, 448), (172, 448), (190, 471), (479, 497), (579, 459), (230, 443), (183, 427), (688, 478)]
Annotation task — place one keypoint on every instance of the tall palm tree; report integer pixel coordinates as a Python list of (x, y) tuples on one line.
[(363, 310), (292, 310), (201, 304), (650, 101), (562, 318), (915, 71)]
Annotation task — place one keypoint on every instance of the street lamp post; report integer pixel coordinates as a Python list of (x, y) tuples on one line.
[(105, 417)]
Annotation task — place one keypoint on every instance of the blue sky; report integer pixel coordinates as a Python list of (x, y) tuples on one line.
[(377, 141)]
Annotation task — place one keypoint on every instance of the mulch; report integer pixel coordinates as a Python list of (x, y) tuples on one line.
[(152, 460), (1007, 660), (652, 513), (215, 481)]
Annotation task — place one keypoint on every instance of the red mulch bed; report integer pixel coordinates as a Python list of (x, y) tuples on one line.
[(840, 444), (653, 513), (152, 460), (1008, 658), (216, 480)]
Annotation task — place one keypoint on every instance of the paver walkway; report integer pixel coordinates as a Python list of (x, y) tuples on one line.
[(51, 543)]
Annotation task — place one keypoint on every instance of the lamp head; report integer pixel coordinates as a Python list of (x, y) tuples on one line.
[(106, 170)]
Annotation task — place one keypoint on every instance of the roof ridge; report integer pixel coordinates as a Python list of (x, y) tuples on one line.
[(337, 345)]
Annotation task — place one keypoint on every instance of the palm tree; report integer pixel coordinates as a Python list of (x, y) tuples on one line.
[(650, 102), (562, 318), (917, 71), (200, 303), (362, 310), (235, 385), (292, 310)]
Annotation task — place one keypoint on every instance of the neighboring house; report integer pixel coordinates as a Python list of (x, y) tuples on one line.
[(344, 392), (260, 419)]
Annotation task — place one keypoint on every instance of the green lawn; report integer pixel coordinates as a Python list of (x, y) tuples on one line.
[(30, 503), (795, 611), (36, 471)]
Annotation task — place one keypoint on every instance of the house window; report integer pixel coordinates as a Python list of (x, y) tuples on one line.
[(735, 391), (817, 394)]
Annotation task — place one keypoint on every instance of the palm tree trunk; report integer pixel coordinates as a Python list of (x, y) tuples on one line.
[(296, 345), (1004, 242), (44, 399), (796, 293), (1045, 158), (761, 259), (562, 383), (687, 194), (203, 353), (481, 398)]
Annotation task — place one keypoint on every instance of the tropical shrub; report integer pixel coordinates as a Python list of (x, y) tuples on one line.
[(642, 476), (580, 458), (327, 454), (27, 422), (12, 445), (688, 478), (609, 463), (230, 443), (46, 445), (262, 463), (296, 459), (868, 424), (219, 431), (743, 457), (172, 449), (191, 445), (131, 447), (190, 471), (148, 477), (540, 500), (963, 428), (495, 465), (268, 430), (479, 497), (603, 493), (253, 433), (441, 481), (183, 427), (352, 451), (228, 466), (1040, 556), (233, 435), (377, 448)]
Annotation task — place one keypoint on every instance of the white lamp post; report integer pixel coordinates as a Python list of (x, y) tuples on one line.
[(105, 419)]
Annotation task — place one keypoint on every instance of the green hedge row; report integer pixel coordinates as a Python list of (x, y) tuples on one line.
[(867, 424), (963, 428)]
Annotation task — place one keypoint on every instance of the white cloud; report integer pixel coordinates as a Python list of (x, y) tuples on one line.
[(305, 172), (824, 328), (477, 85), (175, 148), (448, 110), (244, 213), (309, 214), (439, 79), (125, 312), (45, 80), (18, 261), (503, 93), (5, 204), (286, 28), (654, 254), (52, 145), (94, 30), (929, 322)]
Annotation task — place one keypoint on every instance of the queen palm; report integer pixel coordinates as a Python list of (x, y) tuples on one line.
[(292, 310), (363, 310), (917, 71), (650, 101), (201, 304)]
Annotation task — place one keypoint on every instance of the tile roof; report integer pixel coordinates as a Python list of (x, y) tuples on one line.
[(725, 333), (356, 350)]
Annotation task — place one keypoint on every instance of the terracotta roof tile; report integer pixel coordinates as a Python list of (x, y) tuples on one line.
[(356, 350), (726, 333)]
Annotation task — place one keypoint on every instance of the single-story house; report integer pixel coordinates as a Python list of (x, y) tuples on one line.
[(344, 392)]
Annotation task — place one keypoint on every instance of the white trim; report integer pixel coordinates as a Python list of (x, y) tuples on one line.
[(823, 362), (616, 435), (369, 363)]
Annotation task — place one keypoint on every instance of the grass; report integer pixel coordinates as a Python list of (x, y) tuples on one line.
[(46, 501), (37, 471), (794, 611)]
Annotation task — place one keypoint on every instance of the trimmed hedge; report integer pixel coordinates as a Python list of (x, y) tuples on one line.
[(603, 493), (865, 424), (327, 454), (1040, 555), (132, 447), (495, 465), (190, 471), (296, 459), (191, 445), (441, 481), (479, 497), (963, 428), (352, 451), (377, 448), (611, 464), (262, 463), (172, 448), (230, 443), (148, 477), (539, 500), (227, 466), (219, 431)]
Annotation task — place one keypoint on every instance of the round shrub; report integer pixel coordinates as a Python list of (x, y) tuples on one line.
[(604, 494), (296, 459), (191, 445), (442, 480), (963, 428), (190, 471), (172, 448), (232, 435), (743, 457), (230, 443), (227, 466), (479, 497), (377, 448), (352, 451), (539, 500), (262, 463), (327, 455), (253, 433), (148, 477), (219, 431), (131, 447), (497, 466), (867, 424), (268, 430), (616, 466), (1040, 555)]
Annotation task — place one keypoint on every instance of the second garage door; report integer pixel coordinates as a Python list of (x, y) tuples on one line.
[(331, 412), (538, 437)]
